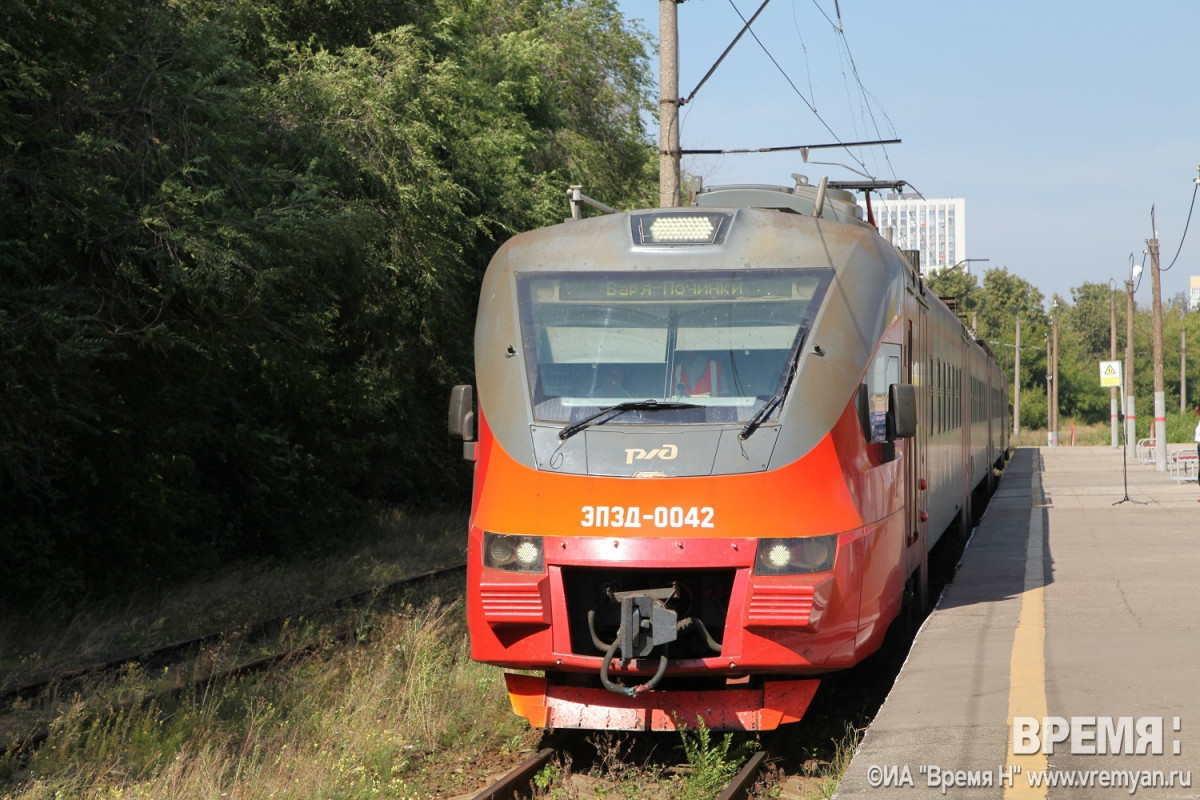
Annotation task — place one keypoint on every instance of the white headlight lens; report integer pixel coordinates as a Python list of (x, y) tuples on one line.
[(528, 553), (799, 556), (680, 227), (779, 555), (512, 553)]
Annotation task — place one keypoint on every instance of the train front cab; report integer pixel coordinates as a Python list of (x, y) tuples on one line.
[(751, 629), (610, 546)]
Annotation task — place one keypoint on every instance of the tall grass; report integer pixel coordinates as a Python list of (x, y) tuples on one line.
[(48, 638), (383, 719), (1180, 429)]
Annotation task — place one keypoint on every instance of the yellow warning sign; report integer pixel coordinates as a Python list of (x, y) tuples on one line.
[(1110, 374)]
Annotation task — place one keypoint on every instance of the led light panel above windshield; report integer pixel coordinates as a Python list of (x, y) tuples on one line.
[(680, 227)]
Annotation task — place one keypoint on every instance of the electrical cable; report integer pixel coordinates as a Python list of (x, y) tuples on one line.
[(811, 107), (804, 49), (721, 58), (867, 97), (1185, 227)]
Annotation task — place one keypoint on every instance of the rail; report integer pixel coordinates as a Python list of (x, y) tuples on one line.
[(519, 781), (176, 652)]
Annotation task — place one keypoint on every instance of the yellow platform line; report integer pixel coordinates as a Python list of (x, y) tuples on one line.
[(1027, 670)]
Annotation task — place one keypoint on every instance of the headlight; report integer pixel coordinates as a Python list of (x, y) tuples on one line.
[(680, 227), (795, 556), (512, 553)]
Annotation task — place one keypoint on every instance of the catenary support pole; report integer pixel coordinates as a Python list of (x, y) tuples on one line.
[(1052, 380), (1130, 410), (1112, 356), (1017, 383), (668, 103), (1183, 406), (1160, 397)]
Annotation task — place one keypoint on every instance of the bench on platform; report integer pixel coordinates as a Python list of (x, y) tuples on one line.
[(1183, 464)]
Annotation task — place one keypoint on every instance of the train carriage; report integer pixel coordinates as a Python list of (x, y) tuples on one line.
[(713, 446)]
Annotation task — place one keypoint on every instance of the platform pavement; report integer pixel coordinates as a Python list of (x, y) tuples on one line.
[(1067, 603)]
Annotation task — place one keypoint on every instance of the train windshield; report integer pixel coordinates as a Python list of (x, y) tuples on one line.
[(720, 341)]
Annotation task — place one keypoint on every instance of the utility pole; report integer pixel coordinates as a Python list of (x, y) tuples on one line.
[(668, 103), (1052, 389), (1112, 356), (1160, 397), (1130, 410), (1017, 383), (1183, 370)]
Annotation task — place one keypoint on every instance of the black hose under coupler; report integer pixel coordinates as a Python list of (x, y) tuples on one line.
[(629, 691)]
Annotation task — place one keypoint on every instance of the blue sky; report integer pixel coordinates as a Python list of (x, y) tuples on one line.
[(1061, 122)]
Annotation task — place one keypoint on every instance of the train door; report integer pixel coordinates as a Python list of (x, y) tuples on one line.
[(962, 384), (916, 457)]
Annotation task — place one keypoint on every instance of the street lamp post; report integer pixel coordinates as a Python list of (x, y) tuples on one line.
[(1130, 406), (965, 262)]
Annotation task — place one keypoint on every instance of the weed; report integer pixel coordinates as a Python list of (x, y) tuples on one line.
[(830, 773), (712, 763), (380, 718), (553, 781)]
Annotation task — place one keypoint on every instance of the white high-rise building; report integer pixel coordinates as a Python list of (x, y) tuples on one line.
[(936, 228), (1194, 293)]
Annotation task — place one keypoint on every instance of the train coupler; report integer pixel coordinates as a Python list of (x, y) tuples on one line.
[(646, 622), (646, 625)]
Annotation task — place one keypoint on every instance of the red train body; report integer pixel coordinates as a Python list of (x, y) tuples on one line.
[(713, 448)]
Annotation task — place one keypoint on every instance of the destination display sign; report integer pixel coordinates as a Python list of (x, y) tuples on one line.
[(660, 288)]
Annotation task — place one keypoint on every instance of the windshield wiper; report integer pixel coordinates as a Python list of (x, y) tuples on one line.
[(605, 414), (775, 400)]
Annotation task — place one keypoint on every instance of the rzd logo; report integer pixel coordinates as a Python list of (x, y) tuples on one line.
[(667, 453)]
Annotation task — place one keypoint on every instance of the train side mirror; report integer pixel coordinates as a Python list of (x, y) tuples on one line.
[(902, 411), (461, 422)]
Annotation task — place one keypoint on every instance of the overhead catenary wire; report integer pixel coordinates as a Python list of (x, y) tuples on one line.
[(812, 92), (721, 58), (1186, 225), (795, 88), (782, 148), (867, 99)]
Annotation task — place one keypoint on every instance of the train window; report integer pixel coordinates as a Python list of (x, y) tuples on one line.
[(719, 340), (931, 380), (883, 372)]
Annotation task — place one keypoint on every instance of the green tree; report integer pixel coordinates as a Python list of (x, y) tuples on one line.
[(241, 249), (959, 288), (1089, 319)]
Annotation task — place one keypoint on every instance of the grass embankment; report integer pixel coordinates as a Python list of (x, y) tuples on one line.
[(51, 637), (399, 711), (1180, 429), (396, 711), (388, 718)]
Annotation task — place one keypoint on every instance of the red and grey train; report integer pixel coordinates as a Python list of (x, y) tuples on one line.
[(713, 447)]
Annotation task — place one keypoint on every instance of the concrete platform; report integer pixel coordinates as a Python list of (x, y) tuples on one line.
[(1071, 611)]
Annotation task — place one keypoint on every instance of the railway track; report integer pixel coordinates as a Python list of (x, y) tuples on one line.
[(845, 703), (519, 781), (172, 653), (166, 656)]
